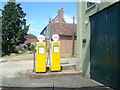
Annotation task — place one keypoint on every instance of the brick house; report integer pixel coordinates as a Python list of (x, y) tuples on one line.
[(66, 31), (30, 39)]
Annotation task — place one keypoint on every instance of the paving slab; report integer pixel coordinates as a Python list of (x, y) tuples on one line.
[(50, 74)]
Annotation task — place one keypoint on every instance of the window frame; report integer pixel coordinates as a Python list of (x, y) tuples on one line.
[(91, 6)]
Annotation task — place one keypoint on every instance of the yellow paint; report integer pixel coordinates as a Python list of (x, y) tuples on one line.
[(41, 57), (55, 58)]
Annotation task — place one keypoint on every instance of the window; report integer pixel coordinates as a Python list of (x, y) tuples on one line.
[(89, 4)]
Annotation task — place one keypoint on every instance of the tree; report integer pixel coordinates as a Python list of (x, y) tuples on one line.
[(14, 27)]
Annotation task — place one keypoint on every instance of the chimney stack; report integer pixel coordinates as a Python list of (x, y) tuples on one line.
[(61, 15)]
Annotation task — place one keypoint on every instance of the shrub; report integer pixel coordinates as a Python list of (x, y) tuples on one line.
[(32, 47)]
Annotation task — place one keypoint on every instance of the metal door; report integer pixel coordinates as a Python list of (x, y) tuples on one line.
[(104, 46)]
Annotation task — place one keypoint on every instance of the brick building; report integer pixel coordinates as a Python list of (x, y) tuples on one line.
[(30, 39), (66, 31)]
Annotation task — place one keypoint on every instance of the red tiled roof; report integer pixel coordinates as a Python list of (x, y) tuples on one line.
[(64, 28), (30, 38)]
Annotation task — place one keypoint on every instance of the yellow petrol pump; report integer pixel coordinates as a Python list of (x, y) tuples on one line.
[(55, 55), (40, 57)]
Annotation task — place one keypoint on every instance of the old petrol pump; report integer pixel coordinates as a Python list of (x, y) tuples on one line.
[(40, 55), (55, 53)]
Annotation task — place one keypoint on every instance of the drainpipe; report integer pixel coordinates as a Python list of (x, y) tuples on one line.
[(73, 37), (73, 46)]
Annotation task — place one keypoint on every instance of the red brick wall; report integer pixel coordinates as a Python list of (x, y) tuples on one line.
[(67, 45)]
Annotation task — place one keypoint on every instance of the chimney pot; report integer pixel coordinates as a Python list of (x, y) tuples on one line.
[(49, 20)]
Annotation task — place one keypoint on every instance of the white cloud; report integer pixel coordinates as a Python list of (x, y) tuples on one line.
[(30, 22), (69, 19), (34, 30), (31, 28)]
